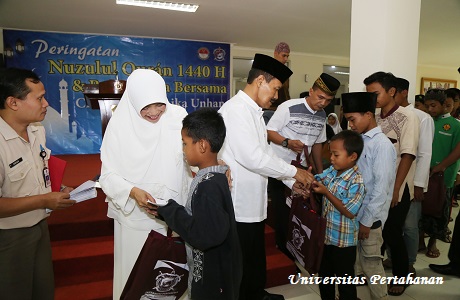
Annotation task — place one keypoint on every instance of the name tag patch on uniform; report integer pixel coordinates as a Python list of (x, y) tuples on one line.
[(17, 161)]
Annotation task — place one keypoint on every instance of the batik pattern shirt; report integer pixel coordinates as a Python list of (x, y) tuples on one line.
[(401, 126)]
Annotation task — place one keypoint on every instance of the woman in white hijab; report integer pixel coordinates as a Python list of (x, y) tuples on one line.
[(142, 159), (333, 121)]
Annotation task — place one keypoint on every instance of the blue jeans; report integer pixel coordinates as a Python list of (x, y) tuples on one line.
[(411, 230)]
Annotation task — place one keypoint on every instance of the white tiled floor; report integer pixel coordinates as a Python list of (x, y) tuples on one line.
[(449, 290)]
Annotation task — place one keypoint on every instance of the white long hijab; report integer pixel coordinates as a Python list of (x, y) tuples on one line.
[(336, 127), (140, 151)]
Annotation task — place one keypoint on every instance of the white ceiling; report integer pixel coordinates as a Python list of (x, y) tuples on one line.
[(308, 26)]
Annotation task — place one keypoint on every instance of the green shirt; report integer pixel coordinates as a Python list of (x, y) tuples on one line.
[(446, 137)]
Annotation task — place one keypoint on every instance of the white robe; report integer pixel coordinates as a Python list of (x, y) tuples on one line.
[(250, 157), (137, 153)]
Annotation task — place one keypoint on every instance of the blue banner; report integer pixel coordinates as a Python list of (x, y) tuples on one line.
[(197, 74)]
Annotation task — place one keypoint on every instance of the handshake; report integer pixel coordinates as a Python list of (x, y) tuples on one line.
[(303, 184)]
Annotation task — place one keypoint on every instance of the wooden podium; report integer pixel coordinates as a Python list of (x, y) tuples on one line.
[(105, 98)]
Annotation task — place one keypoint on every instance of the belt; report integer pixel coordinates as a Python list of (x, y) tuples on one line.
[(376, 224)]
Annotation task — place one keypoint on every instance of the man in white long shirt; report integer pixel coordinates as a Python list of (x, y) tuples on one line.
[(252, 161), (422, 172)]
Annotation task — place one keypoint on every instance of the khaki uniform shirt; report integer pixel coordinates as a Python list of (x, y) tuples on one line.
[(21, 171)]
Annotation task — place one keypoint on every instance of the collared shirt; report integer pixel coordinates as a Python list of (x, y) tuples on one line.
[(296, 120), (250, 157), (377, 165), (401, 126), (446, 138), (21, 171), (424, 150), (349, 188)]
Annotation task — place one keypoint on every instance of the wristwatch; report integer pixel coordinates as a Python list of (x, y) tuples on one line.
[(285, 143)]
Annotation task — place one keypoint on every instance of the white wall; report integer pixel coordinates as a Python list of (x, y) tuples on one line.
[(300, 64), (303, 63)]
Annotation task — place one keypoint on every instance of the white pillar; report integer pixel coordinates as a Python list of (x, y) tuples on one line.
[(384, 37)]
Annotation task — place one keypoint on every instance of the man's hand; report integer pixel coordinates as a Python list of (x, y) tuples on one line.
[(418, 194), (304, 177), (437, 169), (58, 200), (67, 189), (363, 232), (296, 146), (395, 199), (299, 189)]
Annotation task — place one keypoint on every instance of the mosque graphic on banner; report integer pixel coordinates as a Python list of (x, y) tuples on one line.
[(61, 133)]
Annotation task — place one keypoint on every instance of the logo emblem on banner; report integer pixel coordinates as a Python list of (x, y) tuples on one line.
[(203, 53), (219, 54), (73, 66)]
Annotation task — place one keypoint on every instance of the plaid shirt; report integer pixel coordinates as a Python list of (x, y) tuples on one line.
[(349, 188)]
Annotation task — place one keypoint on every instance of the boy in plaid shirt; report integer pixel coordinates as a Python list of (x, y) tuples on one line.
[(343, 191)]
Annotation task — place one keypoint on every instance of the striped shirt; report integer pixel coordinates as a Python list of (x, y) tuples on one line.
[(349, 188)]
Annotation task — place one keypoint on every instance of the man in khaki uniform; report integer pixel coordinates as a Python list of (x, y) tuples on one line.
[(26, 270)]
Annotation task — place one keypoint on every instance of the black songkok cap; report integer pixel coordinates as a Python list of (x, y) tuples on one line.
[(360, 102), (271, 66), (328, 83)]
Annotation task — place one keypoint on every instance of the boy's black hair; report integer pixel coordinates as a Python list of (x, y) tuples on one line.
[(386, 80), (352, 142), (206, 124), (401, 84), (420, 98), (452, 93), (13, 83), (436, 95)]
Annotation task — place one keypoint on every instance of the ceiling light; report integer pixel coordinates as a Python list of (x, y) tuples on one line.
[(161, 5), (342, 73)]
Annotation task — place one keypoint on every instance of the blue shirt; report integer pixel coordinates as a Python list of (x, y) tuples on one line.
[(377, 164), (349, 188)]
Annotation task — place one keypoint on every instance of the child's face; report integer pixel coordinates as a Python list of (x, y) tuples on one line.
[(383, 97), (331, 120), (359, 122), (434, 108), (153, 112), (456, 103), (420, 105), (340, 159), (448, 105), (191, 150)]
